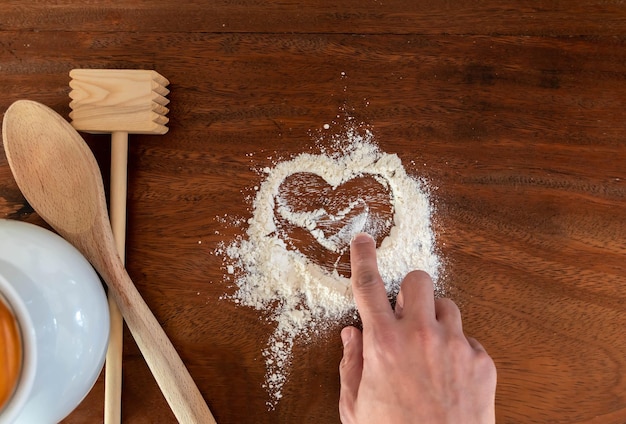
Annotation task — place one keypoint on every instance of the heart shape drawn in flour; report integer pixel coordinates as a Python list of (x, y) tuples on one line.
[(319, 220)]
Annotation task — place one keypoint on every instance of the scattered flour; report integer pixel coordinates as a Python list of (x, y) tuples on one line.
[(300, 295)]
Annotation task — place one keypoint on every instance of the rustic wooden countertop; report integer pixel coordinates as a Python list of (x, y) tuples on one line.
[(514, 111)]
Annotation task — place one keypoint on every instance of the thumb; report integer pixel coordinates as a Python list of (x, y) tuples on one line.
[(350, 372)]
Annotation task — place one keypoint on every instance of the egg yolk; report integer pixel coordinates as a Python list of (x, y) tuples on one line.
[(10, 353)]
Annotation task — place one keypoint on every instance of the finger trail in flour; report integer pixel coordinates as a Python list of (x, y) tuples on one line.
[(301, 296)]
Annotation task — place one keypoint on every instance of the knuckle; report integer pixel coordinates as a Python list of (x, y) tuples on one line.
[(427, 337), (485, 366), (366, 278), (486, 361)]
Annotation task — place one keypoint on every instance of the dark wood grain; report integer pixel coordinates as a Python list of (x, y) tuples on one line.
[(512, 111), (526, 17)]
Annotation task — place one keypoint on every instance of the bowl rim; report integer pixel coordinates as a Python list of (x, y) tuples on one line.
[(24, 385)]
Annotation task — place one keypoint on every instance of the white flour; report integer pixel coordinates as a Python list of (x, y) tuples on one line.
[(301, 295)]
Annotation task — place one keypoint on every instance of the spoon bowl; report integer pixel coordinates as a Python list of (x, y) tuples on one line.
[(60, 178)]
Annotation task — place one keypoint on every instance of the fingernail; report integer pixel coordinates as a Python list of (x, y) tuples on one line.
[(346, 335), (399, 304), (362, 238)]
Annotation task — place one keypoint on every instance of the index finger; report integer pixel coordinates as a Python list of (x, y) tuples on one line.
[(369, 290)]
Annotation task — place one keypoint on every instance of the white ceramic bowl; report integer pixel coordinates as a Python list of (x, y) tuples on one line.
[(61, 308)]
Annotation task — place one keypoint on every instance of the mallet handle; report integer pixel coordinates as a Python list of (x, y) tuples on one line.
[(113, 370)]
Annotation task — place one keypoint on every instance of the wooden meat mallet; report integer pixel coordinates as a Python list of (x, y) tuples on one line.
[(120, 102)]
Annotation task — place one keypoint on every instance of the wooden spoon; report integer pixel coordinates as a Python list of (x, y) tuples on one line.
[(60, 178)]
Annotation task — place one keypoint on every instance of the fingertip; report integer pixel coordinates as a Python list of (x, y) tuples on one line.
[(362, 238), (363, 254), (346, 335), (420, 275)]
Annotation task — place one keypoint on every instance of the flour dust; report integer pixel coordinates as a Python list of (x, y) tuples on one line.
[(286, 279)]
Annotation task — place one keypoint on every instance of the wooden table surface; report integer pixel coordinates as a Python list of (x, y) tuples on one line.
[(513, 110)]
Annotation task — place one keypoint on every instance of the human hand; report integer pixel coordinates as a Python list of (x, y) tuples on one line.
[(414, 364)]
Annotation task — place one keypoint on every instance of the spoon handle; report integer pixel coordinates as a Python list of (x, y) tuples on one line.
[(168, 369)]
